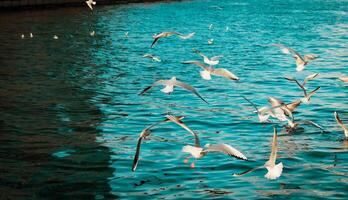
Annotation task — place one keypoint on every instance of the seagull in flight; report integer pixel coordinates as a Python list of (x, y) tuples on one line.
[(168, 34), (301, 62), (308, 78), (169, 87), (340, 123), (292, 125), (199, 152), (208, 71), (210, 61), (90, 4), (274, 170), (154, 58)]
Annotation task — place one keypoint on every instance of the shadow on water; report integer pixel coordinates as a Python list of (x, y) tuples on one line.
[(48, 123)]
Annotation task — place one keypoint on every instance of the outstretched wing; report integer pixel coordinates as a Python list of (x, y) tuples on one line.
[(215, 58), (340, 123), (274, 149), (313, 92), (189, 88), (183, 125), (226, 149), (299, 85), (309, 77), (199, 53), (195, 62), (255, 107), (311, 123), (225, 73), (309, 57), (154, 84)]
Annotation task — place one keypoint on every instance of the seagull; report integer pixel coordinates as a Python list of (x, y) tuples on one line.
[(301, 62), (90, 3), (210, 26), (207, 71), (154, 58), (92, 33), (210, 61), (168, 34), (263, 113), (308, 78), (199, 152), (169, 87), (340, 123), (144, 133), (22, 36), (55, 37), (126, 34), (344, 79), (273, 171), (31, 35), (210, 41)]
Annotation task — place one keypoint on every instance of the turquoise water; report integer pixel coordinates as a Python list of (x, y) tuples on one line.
[(71, 113)]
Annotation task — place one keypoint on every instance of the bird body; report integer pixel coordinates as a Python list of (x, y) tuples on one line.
[(274, 170)]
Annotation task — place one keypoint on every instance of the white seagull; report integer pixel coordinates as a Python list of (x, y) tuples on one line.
[(168, 34), (301, 62), (292, 125), (199, 152), (210, 61), (274, 171), (340, 123), (308, 78), (55, 37), (31, 35), (154, 58), (90, 4), (208, 71), (169, 87)]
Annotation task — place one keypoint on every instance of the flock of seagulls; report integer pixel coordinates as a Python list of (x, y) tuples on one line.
[(278, 109)]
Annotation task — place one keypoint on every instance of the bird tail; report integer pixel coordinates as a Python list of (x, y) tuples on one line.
[(274, 172)]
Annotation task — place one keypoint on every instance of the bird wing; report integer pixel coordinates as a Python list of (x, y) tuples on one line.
[(275, 102), (292, 106), (163, 82), (255, 107), (309, 77), (195, 62), (310, 123), (184, 37), (340, 122), (199, 53), (313, 92), (309, 57), (154, 41), (225, 73), (247, 171), (299, 85), (177, 121), (226, 149), (273, 156), (215, 58), (189, 88), (283, 48)]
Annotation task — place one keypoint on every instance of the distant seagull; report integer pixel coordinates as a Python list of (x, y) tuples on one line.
[(126, 34), (210, 26), (292, 125), (55, 37), (210, 61), (169, 87), (344, 79), (92, 33), (154, 58), (90, 4), (308, 78), (301, 62), (227, 28), (217, 7), (340, 123), (178, 121), (168, 34), (210, 41), (144, 133), (22, 36), (207, 71), (31, 35), (274, 171), (198, 152)]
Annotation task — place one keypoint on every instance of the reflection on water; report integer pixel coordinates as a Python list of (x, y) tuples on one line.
[(71, 114)]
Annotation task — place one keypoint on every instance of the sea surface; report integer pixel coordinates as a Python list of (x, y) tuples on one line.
[(71, 114)]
